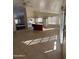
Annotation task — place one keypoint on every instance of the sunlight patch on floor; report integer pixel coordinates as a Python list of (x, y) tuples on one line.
[(39, 40), (55, 47), (48, 51), (18, 55), (45, 29)]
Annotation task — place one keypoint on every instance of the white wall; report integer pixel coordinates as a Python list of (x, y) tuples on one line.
[(29, 11)]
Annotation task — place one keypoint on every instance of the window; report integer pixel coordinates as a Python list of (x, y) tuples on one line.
[(52, 20), (16, 21), (39, 20)]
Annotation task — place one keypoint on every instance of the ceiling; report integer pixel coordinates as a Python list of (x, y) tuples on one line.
[(49, 6), (44, 14)]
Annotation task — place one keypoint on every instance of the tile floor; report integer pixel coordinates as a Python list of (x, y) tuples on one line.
[(36, 45)]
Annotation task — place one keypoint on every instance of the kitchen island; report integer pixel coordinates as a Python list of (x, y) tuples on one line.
[(37, 27)]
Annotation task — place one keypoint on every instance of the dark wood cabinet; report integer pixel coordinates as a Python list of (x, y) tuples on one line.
[(37, 27)]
